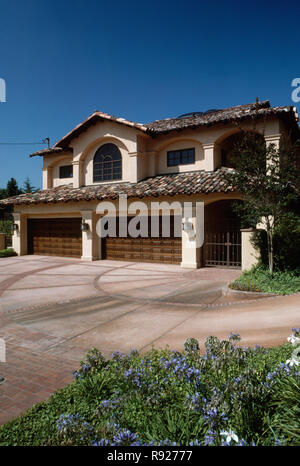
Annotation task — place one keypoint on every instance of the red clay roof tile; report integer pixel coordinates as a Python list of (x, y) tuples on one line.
[(161, 185)]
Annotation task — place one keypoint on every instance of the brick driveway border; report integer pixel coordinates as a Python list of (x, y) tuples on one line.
[(30, 378)]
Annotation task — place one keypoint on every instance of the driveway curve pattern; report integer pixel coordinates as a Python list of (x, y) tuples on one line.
[(52, 310)]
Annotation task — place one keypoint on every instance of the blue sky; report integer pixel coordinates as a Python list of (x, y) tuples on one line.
[(143, 61)]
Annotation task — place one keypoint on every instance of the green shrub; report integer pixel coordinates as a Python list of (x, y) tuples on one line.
[(166, 397), (259, 279), (286, 243), (6, 227), (7, 252)]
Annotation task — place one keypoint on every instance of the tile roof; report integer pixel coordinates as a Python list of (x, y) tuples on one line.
[(51, 150), (161, 185), (91, 120), (222, 116), (254, 110)]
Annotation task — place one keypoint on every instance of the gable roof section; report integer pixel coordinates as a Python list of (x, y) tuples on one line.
[(156, 128), (92, 120), (157, 186)]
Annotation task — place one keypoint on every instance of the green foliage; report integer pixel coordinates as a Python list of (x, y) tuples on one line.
[(269, 181), (164, 397), (12, 188), (286, 242), (6, 226), (267, 177), (28, 188), (191, 345), (259, 279), (175, 424), (3, 193), (7, 252), (286, 420)]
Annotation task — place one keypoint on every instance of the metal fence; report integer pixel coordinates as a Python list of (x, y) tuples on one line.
[(8, 241), (223, 249)]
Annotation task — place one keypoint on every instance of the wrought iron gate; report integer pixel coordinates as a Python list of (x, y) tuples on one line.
[(222, 249)]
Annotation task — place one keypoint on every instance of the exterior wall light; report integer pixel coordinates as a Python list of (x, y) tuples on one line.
[(187, 226), (84, 226), (15, 227)]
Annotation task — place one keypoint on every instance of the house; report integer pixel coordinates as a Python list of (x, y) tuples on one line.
[(178, 159)]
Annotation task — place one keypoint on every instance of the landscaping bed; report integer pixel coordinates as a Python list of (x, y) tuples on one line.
[(230, 395), (7, 252), (259, 279)]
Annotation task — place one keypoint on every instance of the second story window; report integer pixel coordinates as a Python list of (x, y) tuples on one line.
[(107, 163), (180, 157), (66, 171)]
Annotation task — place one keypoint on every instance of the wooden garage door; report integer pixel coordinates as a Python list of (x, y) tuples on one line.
[(55, 237), (164, 250)]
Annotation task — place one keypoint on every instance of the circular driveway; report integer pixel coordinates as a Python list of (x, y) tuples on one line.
[(53, 310), (117, 305)]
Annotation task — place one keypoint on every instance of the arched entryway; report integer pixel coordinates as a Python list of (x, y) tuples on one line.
[(222, 246), (229, 145)]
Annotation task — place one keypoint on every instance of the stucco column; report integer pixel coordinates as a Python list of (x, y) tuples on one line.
[(192, 236), (89, 236), (151, 157), (19, 238), (133, 167), (47, 177), (250, 255), (77, 173), (212, 158), (273, 139)]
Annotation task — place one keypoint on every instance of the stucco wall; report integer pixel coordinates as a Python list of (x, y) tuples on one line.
[(162, 166), (87, 211), (143, 156), (51, 164), (57, 181), (86, 145)]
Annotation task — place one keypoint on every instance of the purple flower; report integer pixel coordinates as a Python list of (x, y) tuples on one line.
[(210, 437), (234, 336)]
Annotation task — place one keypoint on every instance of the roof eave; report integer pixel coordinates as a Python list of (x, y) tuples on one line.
[(92, 120), (51, 151)]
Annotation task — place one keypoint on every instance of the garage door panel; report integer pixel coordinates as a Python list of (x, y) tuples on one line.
[(55, 237), (165, 250)]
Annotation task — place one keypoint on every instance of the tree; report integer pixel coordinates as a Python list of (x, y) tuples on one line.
[(3, 193), (28, 188), (268, 179), (12, 188)]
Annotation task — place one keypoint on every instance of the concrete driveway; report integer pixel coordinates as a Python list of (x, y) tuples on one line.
[(52, 310)]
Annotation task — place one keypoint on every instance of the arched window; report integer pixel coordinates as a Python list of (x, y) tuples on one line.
[(107, 163)]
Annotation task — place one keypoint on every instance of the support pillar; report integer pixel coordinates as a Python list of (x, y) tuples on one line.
[(192, 236), (89, 236), (133, 167), (273, 139), (19, 238), (250, 255), (212, 157), (77, 173), (47, 177)]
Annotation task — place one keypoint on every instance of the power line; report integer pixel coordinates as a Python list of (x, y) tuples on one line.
[(21, 143), (14, 143)]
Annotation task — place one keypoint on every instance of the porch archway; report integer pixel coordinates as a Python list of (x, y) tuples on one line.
[(222, 233)]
